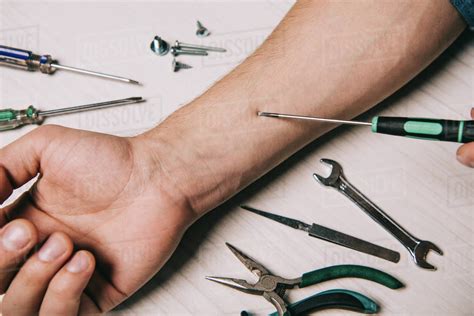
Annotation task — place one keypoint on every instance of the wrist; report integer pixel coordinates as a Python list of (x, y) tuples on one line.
[(150, 163), (182, 161)]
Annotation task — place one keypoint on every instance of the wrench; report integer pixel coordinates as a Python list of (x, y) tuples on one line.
[(418, 248)]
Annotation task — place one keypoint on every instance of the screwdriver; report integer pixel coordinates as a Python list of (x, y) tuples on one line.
[(11, 119), (45, 63), (420, 128)]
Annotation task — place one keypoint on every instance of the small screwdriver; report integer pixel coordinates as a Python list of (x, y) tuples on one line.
[(11, 119), (421, 128), (45, 63)]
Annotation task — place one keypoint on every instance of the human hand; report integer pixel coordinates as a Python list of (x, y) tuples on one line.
[(465, 153), (98, 196)]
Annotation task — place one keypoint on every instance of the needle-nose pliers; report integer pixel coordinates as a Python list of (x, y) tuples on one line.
[(273, 287)]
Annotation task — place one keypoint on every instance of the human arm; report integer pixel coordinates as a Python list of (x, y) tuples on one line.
[(331, 59), (129, 200)]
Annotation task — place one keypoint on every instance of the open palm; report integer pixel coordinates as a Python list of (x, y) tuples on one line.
[(107, 194)]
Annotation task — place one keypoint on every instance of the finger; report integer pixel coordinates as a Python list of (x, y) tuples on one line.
[(16, 240), (63, 296), (465, 154), (26, 292), (6, 188), (472, 113), (21, 159)]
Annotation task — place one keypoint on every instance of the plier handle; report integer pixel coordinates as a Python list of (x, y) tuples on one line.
[(337, 298)]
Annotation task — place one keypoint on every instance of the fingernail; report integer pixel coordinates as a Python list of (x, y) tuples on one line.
[(79, 263), (15, 237), (52, 249)]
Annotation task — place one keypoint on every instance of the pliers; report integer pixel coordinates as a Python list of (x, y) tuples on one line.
[(273, 287)]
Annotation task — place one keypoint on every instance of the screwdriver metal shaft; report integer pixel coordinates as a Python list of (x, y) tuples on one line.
[(94, 73), (11, 119), (311, 118), (88, 107)]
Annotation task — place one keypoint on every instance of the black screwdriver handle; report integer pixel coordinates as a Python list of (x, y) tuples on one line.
[(424, 128)]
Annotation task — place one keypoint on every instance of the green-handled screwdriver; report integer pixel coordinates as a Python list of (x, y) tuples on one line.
[(421, 128), (11, 119)]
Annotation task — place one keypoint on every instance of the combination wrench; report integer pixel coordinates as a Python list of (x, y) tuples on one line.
[(418, 248)]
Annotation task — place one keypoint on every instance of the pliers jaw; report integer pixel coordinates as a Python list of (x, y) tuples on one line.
[(271, 287), (254, 267), (237, 284), (274, 297)]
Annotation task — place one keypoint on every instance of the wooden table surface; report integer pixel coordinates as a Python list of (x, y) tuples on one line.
[(419, 183)]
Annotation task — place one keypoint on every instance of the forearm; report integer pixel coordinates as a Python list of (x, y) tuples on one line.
[(327, 58)]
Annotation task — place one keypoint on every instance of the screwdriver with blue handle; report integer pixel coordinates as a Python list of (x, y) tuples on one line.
[(27, 60), (420, 128), (11, 119)]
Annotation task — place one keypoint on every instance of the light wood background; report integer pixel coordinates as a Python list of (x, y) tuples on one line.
[(419, 183)]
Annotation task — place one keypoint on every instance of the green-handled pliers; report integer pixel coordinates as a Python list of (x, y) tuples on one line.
[(273, 287)]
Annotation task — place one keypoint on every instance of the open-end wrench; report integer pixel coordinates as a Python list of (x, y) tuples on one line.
[(418, 248)]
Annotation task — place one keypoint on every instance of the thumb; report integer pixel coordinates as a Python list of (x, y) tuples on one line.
[(465, 153), (20, 161)]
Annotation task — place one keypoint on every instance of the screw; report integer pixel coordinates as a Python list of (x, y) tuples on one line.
[(201, 30), (175, 51), (176, 65), (160, 46), (180, 45)]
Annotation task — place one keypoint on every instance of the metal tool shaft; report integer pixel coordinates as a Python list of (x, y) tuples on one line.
[(178, 44), (93, 106), (352, 242), (94, 73), (311, 118), (332, 236)]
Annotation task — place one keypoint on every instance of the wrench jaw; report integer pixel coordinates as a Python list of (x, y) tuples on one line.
[(333, 179), (421, 251)]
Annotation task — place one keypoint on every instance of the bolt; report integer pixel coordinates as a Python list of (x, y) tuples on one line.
[(201, 30), (175, 51), (180, 45), (160, 46), (176, 65)]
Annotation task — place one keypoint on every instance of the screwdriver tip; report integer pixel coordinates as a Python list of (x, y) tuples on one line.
[(267, 114), (136, 99), (134, 82), (253, 210)]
